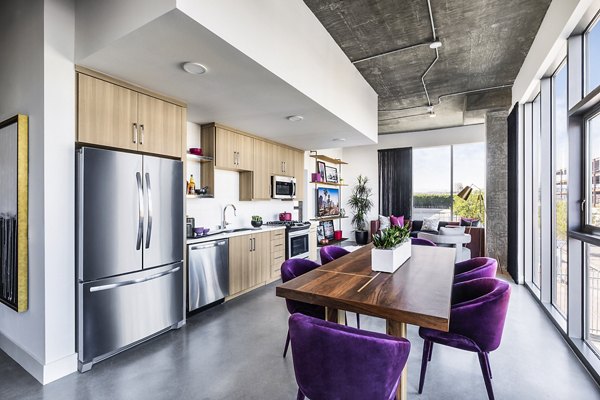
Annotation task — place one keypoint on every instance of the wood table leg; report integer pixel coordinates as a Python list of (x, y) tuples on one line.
[(398, 329), (335, 315)]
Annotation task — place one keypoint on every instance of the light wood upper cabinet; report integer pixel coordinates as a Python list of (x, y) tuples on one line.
[(106, 113), (245, 146), (233, 150), (115, 116), (160, 126), (256, 185)]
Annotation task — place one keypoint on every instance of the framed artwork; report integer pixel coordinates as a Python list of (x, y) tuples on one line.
[(331, 174), (321, 169), (328, 229), (320, 233), (328, 202), (14, 177)]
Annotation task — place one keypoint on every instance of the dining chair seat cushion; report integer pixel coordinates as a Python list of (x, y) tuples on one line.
[(478, 267), (330, 253), (449, 339), (337, 362)]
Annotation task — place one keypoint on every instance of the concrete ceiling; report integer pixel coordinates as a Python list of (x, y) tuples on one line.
[(484, 44)]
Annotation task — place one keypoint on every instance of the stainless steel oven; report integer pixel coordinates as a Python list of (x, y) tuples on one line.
[(297, 242), (283, 187)]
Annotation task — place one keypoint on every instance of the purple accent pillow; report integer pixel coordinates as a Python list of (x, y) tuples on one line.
[(474, 222), (397, 221)]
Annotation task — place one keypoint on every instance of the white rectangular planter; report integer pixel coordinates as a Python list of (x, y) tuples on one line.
[(389, 260)]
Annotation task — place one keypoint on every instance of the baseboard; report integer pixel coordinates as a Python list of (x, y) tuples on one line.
[(44, 373)]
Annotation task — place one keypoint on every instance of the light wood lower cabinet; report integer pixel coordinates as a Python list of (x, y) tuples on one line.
[(277, 252), (248, 256)]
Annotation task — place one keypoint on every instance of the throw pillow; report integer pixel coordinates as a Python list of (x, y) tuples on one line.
[(397, 221), (452, 230), (430, 224), (474, 222), (384, 222)]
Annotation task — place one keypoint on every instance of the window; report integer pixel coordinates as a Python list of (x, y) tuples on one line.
[(592, 161), (592, 45), (537, 192), (431, 183), (468, 169), (592, 262), (561, 161)]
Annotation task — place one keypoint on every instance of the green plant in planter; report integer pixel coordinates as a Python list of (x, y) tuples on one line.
[(360, 203), (256, 221), (256, 218), (391, 237)]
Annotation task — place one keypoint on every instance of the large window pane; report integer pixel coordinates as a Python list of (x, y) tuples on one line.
[(537, 192), (593, 58), (561, 158), (593, 172), (431, 183), (592, 259), (469, 169)]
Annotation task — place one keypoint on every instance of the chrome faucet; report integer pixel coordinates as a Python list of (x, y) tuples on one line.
[(224, 223)]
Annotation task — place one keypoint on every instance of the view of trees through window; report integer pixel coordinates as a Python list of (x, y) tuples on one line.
[(440, 173)]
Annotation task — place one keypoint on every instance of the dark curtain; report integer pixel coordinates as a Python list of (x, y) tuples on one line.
[(395, 182), (513, 191)]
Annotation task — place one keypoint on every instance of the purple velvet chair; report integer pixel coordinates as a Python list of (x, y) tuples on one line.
[(291, 269), (421, 242), (476, 323), (330, 253), (336, 362), (479, 267)]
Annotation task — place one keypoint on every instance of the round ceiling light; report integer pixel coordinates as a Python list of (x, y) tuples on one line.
[(341, 139), (194, 68), (295, 118), (432, 114), (435, 45)]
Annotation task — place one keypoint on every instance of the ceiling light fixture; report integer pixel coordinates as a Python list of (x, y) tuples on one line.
[(432, 114), (339, 139), (194, 68), (435, 45), (295, 118)]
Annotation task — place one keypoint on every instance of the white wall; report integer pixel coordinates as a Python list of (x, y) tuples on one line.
[(37, 79), (286, 38), (208, 212), (364, 159)]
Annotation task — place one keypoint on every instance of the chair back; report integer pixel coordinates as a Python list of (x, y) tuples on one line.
[(333, 361), (330, 253), (421, 242), (479, 309), (478, 267), (293, 268)]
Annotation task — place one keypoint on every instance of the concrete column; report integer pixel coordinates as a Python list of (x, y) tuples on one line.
[(496, 203)]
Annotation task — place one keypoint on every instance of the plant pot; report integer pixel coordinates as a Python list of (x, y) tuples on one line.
[(389, 260), (256, 224), (362, 237)]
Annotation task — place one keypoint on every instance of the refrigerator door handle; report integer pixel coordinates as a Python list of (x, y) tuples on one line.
[(149, 229), (133, 281), (138, 242)]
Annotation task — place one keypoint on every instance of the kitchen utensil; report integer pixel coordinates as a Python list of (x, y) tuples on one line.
[(199, 231), (197, 151), (285, 216)]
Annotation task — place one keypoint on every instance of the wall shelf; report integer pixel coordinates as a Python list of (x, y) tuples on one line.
[(327, 218), (199, 196), (202, 159), (331, 160), (332, 242), (329, 184)]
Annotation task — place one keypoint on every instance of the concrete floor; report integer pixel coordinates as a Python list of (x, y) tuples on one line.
[(233, 351)]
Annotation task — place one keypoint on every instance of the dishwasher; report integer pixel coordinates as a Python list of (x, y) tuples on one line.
[(208, 273)]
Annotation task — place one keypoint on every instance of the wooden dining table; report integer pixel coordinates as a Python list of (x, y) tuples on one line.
[(418, 293)]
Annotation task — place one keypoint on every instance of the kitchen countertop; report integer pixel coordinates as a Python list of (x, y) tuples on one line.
[(227, 235)]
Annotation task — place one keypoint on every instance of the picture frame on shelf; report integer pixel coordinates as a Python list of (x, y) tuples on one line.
[(328, 202), (320, 233), (321, 170), (331, 174), (328, 229)]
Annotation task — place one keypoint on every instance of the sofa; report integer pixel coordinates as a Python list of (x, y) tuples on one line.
[(477, 244)]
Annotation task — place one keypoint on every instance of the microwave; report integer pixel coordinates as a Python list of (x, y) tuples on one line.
[(283, 187)]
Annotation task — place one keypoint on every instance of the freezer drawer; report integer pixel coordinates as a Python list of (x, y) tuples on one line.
[(116, 313), (208, 273)]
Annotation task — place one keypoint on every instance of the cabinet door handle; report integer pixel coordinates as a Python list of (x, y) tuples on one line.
[(141, 134), (250, 240), (135, 133), (253, 244)]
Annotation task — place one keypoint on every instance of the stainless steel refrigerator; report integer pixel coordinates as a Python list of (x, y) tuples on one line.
[(129, 250)]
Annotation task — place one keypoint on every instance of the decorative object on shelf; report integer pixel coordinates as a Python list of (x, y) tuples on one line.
[(328, 202), (328, 229), (316, 177), (320, 233), (360, 203), (321, 169), (342, 213), (14, 181), (202, 190), (337, 235), (196, 151), (256, 221), (191, 185), (392, 248), (331, 174)]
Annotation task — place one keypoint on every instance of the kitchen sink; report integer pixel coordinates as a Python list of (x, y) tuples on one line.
[(218, 232)]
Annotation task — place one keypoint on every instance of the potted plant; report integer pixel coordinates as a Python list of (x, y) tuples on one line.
[(256, 221), (360, 203), (392, 248)]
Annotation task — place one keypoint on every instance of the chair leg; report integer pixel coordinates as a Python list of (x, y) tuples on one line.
[(300, 395), (424, 361), (430, 351), (487, 359), (485, 370), (358, 321), (287, 344)]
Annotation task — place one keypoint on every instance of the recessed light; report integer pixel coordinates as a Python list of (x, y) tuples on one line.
[(432, 114), (341, 139), (194, 68), (435, 45), (295, 118)]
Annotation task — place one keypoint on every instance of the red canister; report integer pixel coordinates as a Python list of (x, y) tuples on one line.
[(337, 235)]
